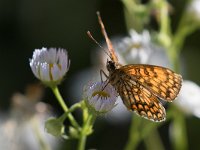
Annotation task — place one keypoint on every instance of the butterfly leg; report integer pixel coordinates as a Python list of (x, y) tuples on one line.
[(101, 75)]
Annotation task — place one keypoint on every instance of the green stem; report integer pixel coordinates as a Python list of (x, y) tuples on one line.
[(82, 142), (71, 109), (64, 106), (140, 129), (153, 141), (165, 28), (148, 127), (86, 130), (185, 27), (165, 22), (134, 134), (178, 131)]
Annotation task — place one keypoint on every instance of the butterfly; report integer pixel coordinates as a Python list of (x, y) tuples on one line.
[(141, 86)]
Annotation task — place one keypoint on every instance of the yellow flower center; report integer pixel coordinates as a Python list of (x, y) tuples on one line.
[(101, 94), (136, 45)]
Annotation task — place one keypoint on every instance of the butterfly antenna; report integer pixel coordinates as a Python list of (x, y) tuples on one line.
[(90, 36), (109, 43)]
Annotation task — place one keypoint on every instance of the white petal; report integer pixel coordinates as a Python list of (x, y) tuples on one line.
[(55, 72), (189, 98), (44, 72)]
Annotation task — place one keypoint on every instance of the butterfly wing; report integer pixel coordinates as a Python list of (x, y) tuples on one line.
[(162, 82), (139, 99)]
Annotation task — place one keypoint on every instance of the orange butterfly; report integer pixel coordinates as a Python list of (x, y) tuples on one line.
[(140, 86)]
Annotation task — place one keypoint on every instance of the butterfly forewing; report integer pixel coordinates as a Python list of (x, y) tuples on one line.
[(161, 81)]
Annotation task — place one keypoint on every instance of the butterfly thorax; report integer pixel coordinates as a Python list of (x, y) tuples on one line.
[(113, 67)]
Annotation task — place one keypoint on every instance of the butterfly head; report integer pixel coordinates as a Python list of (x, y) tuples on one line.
[(111, 65)]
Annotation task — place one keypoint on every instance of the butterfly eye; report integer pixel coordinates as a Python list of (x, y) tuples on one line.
[(111, 65)]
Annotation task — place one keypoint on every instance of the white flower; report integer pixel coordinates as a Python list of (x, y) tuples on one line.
[(21, 126), (194, 9), (50, 65), (99, 97), (139, 49), (189, 98), (135, 47)]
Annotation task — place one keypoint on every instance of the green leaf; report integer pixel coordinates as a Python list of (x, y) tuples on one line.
[(55, 127)]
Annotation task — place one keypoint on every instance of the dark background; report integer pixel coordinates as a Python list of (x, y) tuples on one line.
[(29, 24)]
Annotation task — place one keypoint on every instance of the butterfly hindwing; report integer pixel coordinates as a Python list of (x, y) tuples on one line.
[(138, 99)]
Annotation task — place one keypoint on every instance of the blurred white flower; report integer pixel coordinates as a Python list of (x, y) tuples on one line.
[(140, 49), (193, 9), (135, 47), (189, 98), (22, 128), (50, 65), (99, 97)]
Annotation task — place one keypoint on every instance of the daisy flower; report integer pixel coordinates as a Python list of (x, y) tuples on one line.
[(138, 48), (50, 65), (100, 97)]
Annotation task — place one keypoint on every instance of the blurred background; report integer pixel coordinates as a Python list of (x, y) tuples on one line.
[(26, 25)]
